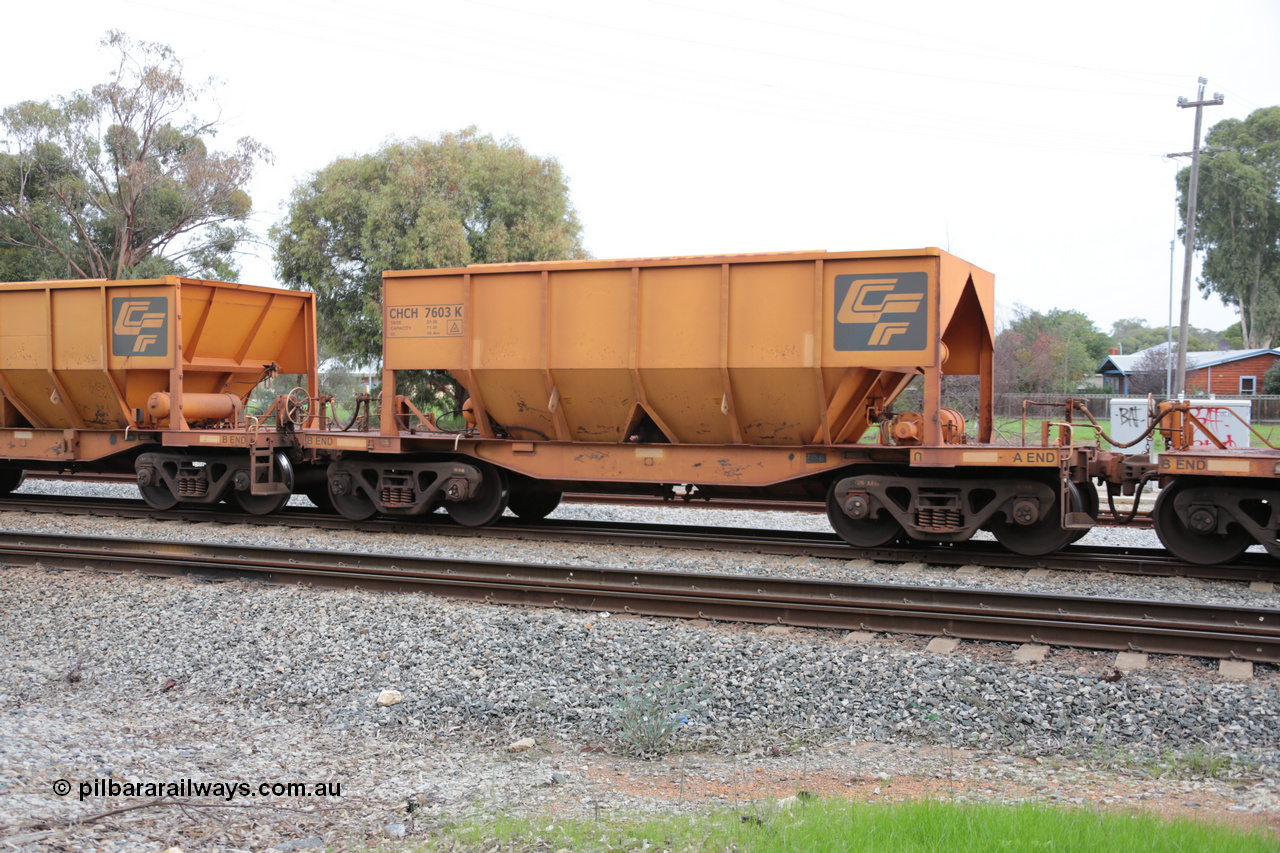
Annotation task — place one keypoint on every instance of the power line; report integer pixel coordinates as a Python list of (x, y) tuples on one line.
[(733, 92)]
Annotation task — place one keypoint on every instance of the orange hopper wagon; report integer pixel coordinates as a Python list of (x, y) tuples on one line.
[(151, 376), (719, 376)]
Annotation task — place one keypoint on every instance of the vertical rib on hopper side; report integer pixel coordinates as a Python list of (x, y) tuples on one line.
[(783, 349), (89, 354)]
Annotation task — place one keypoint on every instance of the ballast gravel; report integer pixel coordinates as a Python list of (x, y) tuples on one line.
[(133, 680)]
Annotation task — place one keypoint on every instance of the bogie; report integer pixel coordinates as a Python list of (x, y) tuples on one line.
[(166, 479), (1195, 523), (871, 508), (474, 493)]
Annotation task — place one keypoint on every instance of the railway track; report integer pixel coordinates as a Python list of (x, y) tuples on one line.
[(1141, 520), (1246, 633), (1152, 562)]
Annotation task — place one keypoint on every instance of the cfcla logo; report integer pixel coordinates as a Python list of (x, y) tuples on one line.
[(872, 299), (883, 312), (140, 326)]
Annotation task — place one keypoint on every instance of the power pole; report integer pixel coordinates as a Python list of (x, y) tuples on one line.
[(1190, 241), (1168, 353)]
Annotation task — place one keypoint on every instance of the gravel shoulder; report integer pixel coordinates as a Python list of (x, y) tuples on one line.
[(133, 679)]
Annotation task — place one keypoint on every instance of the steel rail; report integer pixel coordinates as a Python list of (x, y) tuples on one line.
[(1148, 562), (1141, 521), (1248, 633)]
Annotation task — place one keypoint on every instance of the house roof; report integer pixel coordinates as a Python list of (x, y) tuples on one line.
[(336, 365), (1125, 364)]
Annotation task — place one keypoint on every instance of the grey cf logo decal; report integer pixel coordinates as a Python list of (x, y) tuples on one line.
[(140, 325), (884, 312)]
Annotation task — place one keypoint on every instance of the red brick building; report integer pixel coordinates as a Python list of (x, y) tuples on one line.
[(1225, 372)]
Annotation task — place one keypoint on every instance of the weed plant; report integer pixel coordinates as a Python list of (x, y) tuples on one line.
[(1201, 762), (652, 711)]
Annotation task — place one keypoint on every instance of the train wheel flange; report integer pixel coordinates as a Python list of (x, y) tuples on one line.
[(1044, 536), (259, 504), (869, 531), (1203, 546), (489, 501)]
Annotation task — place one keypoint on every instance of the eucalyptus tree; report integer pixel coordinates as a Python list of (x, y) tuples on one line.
[(1238, 220), (121, 181), (417, 204)]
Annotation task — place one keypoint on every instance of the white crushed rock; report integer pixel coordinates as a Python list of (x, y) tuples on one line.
[(137, 679)]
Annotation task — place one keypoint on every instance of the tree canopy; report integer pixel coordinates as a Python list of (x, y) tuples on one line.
[(1132, 335), (120, 181), (462, 198), (1238, 220), (1047, 353), (1271, 379)]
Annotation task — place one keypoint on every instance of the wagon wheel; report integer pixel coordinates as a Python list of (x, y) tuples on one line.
[(487, 504), (355, 506), (258, 504), (267, 504), (534, 506), (10, 480), (152, 487), (1202, 549), (861, 532), (1044, 536), (297, 406), (158, 497), (350, 501), (1089, 499)]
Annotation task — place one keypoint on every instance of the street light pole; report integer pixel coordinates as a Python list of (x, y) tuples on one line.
[(1190, 240)]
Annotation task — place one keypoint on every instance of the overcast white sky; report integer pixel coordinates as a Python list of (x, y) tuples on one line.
[(1028, 138)]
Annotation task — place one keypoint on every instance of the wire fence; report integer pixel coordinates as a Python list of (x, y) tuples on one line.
[(1263, 409)]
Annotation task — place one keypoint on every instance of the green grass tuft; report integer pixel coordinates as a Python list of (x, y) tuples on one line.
[(836, 825)]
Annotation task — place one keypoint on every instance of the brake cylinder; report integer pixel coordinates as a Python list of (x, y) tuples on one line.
[(196, 407)]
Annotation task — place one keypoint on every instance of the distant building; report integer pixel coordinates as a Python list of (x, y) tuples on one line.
[(364, 374), (1226, 372)]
